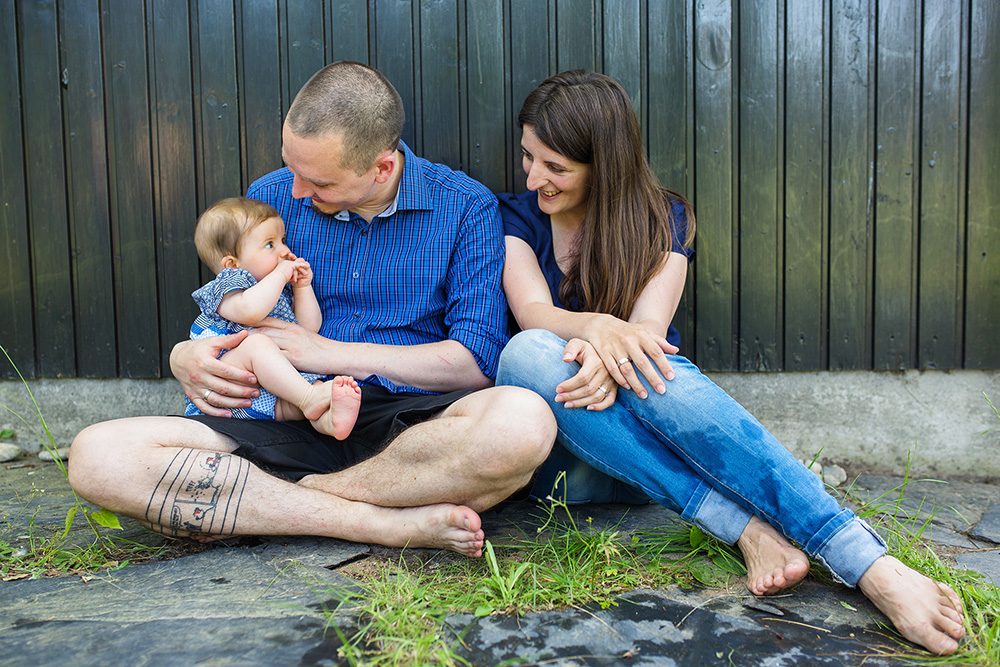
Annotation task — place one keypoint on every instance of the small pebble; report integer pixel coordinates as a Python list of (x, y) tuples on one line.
[(834, 475), (46, 455), (8, 452), (815, 466)]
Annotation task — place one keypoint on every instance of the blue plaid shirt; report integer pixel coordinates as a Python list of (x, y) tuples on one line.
[(428, 269)]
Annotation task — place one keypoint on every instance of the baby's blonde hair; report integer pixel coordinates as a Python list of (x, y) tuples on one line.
[(221, 229)]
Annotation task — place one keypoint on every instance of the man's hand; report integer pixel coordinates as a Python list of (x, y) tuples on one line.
[(301, 347), (213, 385)]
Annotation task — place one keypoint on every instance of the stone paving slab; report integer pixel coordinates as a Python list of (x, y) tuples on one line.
[(258, 601)]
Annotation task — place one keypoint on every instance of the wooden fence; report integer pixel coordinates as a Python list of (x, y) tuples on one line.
[(843, 156)]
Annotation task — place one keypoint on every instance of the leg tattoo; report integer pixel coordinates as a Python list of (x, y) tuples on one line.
[(199, 493)]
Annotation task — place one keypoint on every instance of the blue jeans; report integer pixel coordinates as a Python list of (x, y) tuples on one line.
[(692, 449)]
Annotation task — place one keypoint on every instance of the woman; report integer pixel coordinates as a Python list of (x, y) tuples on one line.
[(596, 262)]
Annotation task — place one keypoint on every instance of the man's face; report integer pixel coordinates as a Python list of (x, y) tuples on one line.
[(316, 166)]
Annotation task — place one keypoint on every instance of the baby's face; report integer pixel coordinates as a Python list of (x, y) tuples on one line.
[(263, 247)]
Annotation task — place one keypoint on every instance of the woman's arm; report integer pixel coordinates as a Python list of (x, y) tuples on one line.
[(641, 340)]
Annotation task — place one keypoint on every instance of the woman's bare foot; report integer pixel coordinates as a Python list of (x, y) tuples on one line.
[(342, 411), (453, 527), (772, 562), (924, 611)]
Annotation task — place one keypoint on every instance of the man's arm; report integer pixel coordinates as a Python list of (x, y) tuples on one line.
[(444, 366)]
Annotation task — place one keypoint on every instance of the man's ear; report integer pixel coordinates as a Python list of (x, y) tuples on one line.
[(386, 165), (230, 262)]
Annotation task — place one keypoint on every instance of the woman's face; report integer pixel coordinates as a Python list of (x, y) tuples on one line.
[(563, 186)]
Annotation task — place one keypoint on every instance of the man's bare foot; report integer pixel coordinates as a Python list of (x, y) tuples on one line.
[(772, 562), (924, 611), (444, 526), (342, 411)]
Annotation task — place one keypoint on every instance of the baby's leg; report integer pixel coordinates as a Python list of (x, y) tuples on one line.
[(345, 401), (297, 398)]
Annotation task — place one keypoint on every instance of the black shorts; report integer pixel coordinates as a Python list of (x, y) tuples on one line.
[(292, 450)]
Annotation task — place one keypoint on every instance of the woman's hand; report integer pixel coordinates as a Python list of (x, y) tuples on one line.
[(213, 385), (592, 386), (625, 347)]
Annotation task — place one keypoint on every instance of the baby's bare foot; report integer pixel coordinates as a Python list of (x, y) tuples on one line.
[(316, 401), (772, 562), (924, 611), (445, 526), (345, 401)]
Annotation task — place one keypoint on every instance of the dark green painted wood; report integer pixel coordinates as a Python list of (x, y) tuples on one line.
[(440, 93), (624, 37), (350, 27), (398, 61), (982, 306), (895, 201), (46, 191), (715, 158), (218, 135), (578, 31), (303, 45), (487, 149), (760, 174), (261, 86), (850, 184), (668, 127), (805, 201), (942, 210), (17, 323), (532, 58), (131, 191), (87, 196), (176, 192)]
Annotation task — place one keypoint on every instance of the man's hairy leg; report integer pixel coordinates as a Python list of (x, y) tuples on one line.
[(479, 451), (180, 477)]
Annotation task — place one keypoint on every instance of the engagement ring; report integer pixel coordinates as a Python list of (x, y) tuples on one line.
[(603, 389), (623, 360)]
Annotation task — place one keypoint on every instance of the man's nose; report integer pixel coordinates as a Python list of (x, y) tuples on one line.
[(300, 189)]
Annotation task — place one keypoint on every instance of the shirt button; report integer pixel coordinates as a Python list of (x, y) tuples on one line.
[(357, 315), (355, 274)]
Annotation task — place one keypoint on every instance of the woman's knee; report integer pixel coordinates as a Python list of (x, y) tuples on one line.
[(91, 456), (533, 359)]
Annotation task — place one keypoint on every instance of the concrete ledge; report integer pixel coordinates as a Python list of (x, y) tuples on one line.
[(868, 419)]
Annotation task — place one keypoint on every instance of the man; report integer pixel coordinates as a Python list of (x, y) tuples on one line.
[(407, 258)]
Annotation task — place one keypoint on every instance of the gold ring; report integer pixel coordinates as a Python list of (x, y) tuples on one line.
[(204, 396)]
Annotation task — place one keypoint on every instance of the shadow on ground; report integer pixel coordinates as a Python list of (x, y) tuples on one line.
[(258, 601)]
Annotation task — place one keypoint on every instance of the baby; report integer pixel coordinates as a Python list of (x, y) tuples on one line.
[(243, 241)]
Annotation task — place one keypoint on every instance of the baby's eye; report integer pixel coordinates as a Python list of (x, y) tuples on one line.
[(269, 244)]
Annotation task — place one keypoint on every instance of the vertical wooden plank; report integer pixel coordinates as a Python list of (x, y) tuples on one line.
[(176, 189), (440, 125), (397, 58), (260, 80), (668, 128), (578, 27), (529, 66), (46, 190), (714, 160), (760, 121), (304, 49), (486, 86), (218, 139), (624, 36), (131, 189), (17, 323), (349, 30), (895, 204), (939, 331), (850, 185), (87, 176), (982, 288)]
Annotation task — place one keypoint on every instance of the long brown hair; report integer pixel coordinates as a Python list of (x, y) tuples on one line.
[(589, 118)]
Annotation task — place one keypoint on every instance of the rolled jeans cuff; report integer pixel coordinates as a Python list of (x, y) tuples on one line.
[(708, 507), (850, 550)]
